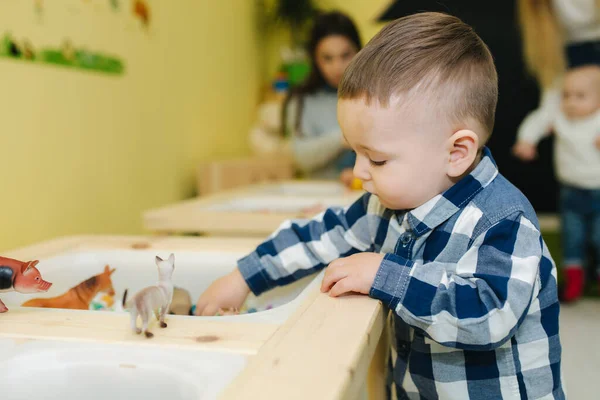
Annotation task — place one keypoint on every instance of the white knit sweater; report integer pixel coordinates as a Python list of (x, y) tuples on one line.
[(576, 157), (580, 20)]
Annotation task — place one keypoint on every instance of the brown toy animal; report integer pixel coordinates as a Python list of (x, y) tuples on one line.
[(181, 303), (22, 277), (80, 296)]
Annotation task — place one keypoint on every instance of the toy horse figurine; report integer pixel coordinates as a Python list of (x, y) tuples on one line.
[(80, 296), (22, 277), (148, 300)]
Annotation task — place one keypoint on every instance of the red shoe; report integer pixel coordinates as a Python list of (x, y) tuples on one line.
[(574, 281)]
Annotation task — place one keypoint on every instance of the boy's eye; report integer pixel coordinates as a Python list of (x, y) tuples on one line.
[(377, 163)]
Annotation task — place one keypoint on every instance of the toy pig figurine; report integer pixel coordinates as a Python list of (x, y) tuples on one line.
[(22, 277)]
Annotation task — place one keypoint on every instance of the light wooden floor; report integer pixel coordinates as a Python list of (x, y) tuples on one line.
[(580, 336)]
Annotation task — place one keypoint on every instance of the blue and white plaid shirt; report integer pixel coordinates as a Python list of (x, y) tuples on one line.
[(468, 275)]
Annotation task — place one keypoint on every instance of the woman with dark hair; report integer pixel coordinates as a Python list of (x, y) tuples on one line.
[(310, 112)]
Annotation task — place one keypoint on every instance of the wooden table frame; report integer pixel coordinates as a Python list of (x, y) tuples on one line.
[(327, 349)]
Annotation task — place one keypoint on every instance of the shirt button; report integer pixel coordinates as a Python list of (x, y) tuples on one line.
[(405, 238), (402, 350)]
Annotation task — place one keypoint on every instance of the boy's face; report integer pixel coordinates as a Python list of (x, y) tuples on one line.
[(401, 150), (581, 92)]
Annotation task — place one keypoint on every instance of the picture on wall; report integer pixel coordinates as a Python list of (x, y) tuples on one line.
[(65, 54), (57, 33)]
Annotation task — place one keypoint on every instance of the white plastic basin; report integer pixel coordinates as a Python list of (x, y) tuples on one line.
[(136, 269), (273, 204), (304, 189), (73, 371)]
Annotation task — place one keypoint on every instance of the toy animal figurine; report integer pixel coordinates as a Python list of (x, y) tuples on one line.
[(22, 277), (80, 296), (181, 303), (102, 301), (148, 300)]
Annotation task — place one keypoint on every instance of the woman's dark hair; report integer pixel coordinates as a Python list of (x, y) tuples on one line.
[(326, 24)]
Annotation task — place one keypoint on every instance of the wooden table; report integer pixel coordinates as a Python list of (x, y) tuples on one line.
[(255, 210), (326, 349), (549, 222)]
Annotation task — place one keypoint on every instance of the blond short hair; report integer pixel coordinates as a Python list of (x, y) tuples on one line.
[(423, 54)]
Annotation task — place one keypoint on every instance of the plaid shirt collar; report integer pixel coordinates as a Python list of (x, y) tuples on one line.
[(441, 207)]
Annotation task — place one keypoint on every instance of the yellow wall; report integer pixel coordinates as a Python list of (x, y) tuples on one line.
[(87, 152)]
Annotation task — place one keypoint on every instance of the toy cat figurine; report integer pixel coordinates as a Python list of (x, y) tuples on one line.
[(22, 277), (80, 296), (148, 300)]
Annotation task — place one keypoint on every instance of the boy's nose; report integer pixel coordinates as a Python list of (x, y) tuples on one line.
[(360, 170)]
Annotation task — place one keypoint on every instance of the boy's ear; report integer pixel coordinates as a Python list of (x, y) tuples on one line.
[(463, 146)]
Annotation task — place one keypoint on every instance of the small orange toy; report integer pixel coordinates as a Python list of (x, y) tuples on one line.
[(356, 184)]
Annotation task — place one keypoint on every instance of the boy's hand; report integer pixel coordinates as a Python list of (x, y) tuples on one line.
[(355, 273), (598, 142), (229, 291), (525, 151)]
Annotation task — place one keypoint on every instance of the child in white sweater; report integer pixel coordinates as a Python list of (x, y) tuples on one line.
[(575, 120)]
